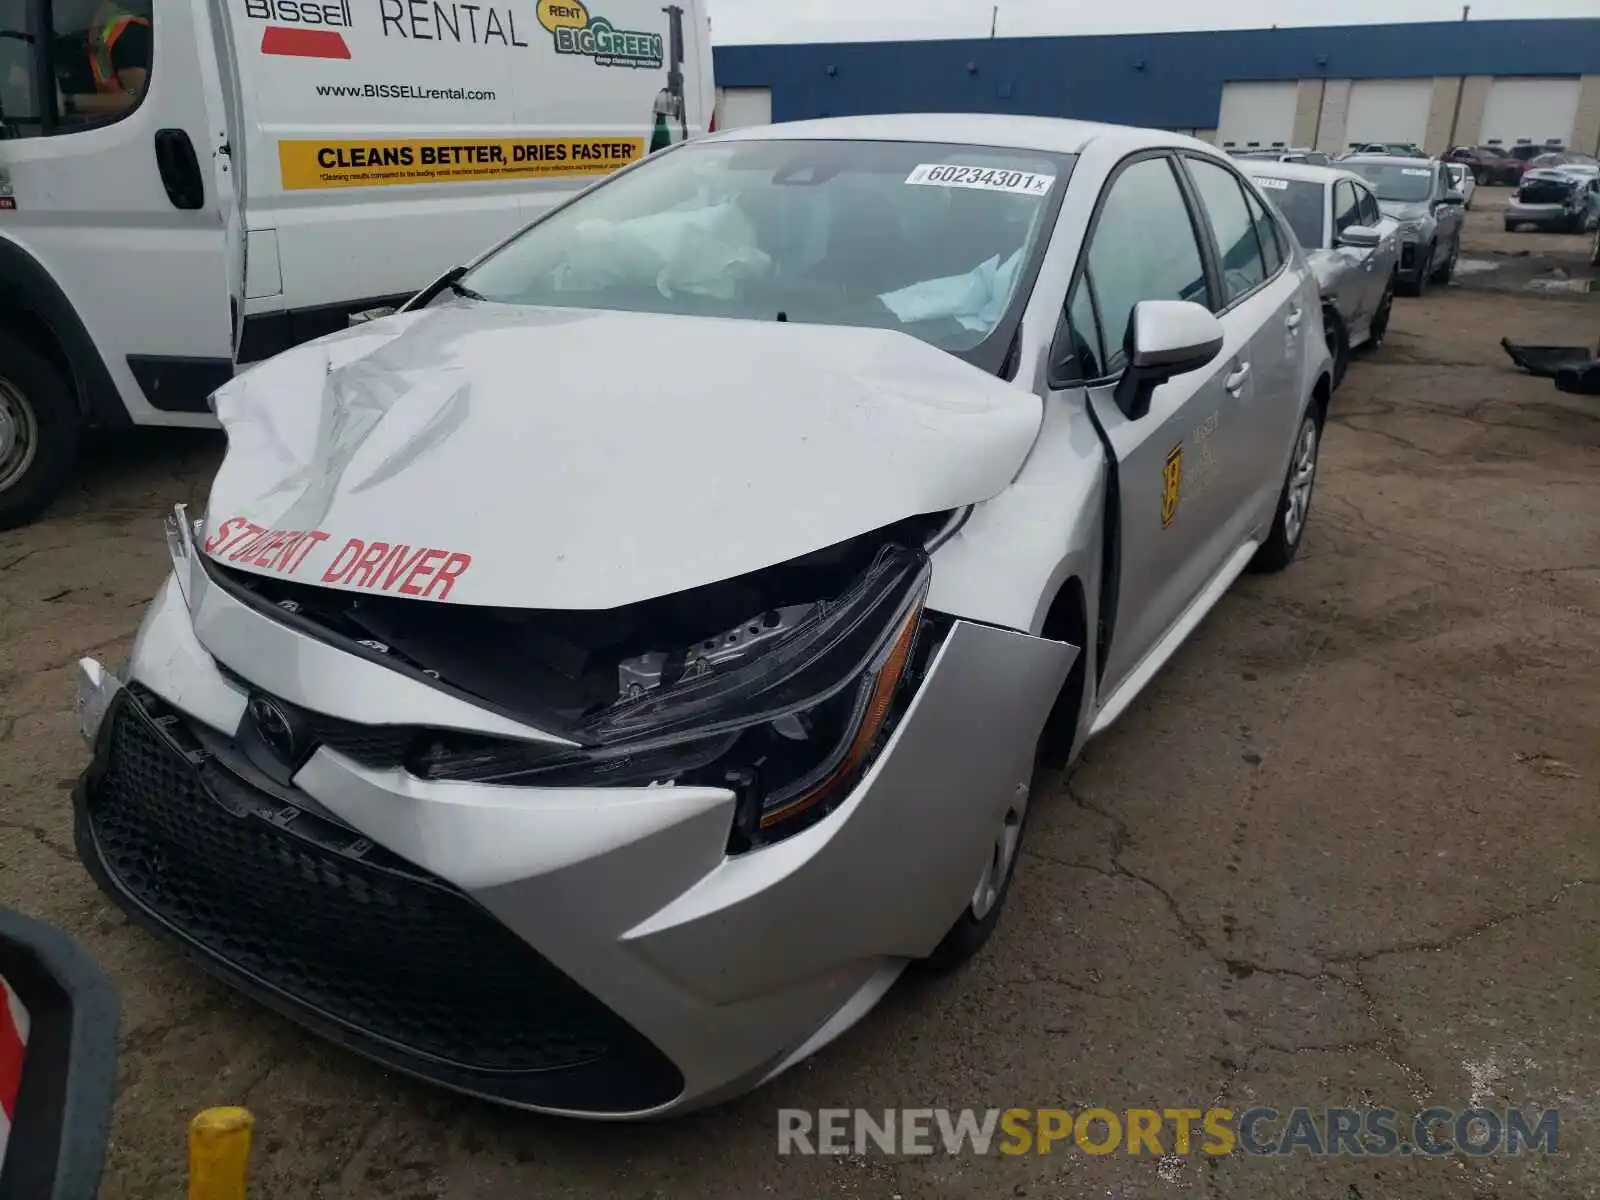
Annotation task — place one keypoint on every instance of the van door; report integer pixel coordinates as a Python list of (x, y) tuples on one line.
[(388, 140), (116, 190)]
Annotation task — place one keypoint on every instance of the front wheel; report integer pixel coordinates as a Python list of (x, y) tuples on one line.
[(1448, 267), (40, 425), (1481, 178), (1379, 326), (977, 921), (1338, 339), (1294, 502), (1594, 249)]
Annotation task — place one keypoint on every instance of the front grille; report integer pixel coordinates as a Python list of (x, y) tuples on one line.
[(376, 746), (339, 927), (1541, 191)]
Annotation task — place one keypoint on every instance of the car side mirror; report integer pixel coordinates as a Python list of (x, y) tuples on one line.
[(1359, 237), (1165, 338)]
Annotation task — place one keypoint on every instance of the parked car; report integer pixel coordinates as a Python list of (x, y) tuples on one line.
[(440, 741), (1352, 247), (1488, 164), (1416, 192), (1315, 158), (1526, 152), (1397, 149), (1462, 181), (1563, 196)]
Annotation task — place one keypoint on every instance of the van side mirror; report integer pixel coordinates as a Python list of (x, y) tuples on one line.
[(1164, 338), (1453, 198)]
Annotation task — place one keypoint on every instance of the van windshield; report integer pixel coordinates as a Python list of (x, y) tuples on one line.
[(1396, 182), (937, 240)]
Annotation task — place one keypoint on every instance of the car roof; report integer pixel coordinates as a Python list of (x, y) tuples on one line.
[(1050, 134), (1389, 160), (1302, 172)]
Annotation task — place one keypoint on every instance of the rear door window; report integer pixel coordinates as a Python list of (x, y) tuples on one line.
[(1222, 197)]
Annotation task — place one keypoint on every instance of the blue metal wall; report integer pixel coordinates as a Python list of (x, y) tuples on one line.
[(1166, 80)]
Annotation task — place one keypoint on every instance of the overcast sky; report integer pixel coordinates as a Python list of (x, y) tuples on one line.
[(739, 21)]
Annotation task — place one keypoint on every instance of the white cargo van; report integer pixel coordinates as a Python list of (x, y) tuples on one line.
[(190, 186)]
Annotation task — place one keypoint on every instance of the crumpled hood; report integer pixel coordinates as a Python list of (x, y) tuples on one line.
[(495, 455)]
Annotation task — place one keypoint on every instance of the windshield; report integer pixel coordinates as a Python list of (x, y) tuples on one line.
[(1394, 182), (1301, 205), (932, 239)]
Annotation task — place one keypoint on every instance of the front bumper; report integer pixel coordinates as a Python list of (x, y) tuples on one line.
[(592, 951)]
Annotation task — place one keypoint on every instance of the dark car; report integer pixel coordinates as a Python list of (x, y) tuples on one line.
[(1488, 164)]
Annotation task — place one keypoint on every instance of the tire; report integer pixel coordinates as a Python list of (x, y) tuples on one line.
[(1338, 338), (1448, 267), (971, 932), (1511, 227), (1379, 327), (1594, 249), (40, 427), (1481, 178), (1288, 530), (1417, 286)]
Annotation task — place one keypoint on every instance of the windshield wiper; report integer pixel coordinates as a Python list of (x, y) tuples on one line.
[(461, 289)]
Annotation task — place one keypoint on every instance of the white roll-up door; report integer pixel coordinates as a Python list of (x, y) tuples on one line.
[(1530, 110), (739, 108), (1388, 110), (1256, 113)]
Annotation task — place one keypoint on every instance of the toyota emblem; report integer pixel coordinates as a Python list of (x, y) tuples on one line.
[(274, 726)]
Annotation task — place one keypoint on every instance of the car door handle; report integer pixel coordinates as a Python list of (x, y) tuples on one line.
[(1236, 381), (1293, 322)]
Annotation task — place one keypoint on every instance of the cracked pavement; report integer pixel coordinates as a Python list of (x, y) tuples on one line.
[(1344, 851)]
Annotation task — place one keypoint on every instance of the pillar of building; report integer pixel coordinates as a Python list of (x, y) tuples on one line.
[(1335, 113), (1586, 125), (1443, 109), (1469, 114), (1307, 112)]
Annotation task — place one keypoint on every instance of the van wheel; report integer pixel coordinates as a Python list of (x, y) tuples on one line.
[(40, 426)]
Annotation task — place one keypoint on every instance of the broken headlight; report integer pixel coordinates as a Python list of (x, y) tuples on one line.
[(787, 709)]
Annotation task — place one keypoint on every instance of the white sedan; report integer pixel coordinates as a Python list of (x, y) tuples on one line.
[(593, 685)]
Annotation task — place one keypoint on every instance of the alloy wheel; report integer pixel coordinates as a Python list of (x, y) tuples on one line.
[(1002, 859), (1302, 476)]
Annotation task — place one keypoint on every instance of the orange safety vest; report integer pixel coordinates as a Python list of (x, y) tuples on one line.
[(109, 22)]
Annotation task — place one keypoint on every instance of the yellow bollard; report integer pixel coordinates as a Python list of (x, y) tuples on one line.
[(219, 1154)]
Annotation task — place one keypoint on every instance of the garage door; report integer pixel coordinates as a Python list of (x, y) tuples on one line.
[(1258, 114), (1530, 110), (739, 108), (1388, 110)]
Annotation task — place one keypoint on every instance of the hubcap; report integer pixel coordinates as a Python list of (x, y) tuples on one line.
[(19, 435), (1302, 474), (1001, 858)]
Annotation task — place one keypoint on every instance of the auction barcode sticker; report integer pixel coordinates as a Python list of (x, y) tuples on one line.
[(1414, 171), (987, 179), (1277, 185)]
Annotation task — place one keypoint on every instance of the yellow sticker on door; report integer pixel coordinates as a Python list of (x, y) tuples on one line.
[(1171, 485), (315, 164)]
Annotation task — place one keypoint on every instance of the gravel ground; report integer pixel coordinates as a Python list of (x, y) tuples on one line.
[(1346, 850)]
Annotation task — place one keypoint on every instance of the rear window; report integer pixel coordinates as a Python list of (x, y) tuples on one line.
[(1301, 205)]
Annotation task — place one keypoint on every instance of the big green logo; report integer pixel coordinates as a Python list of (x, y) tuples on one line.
[(576, 32)]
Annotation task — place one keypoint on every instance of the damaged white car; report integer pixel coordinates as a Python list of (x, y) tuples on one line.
[(593, 685)]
